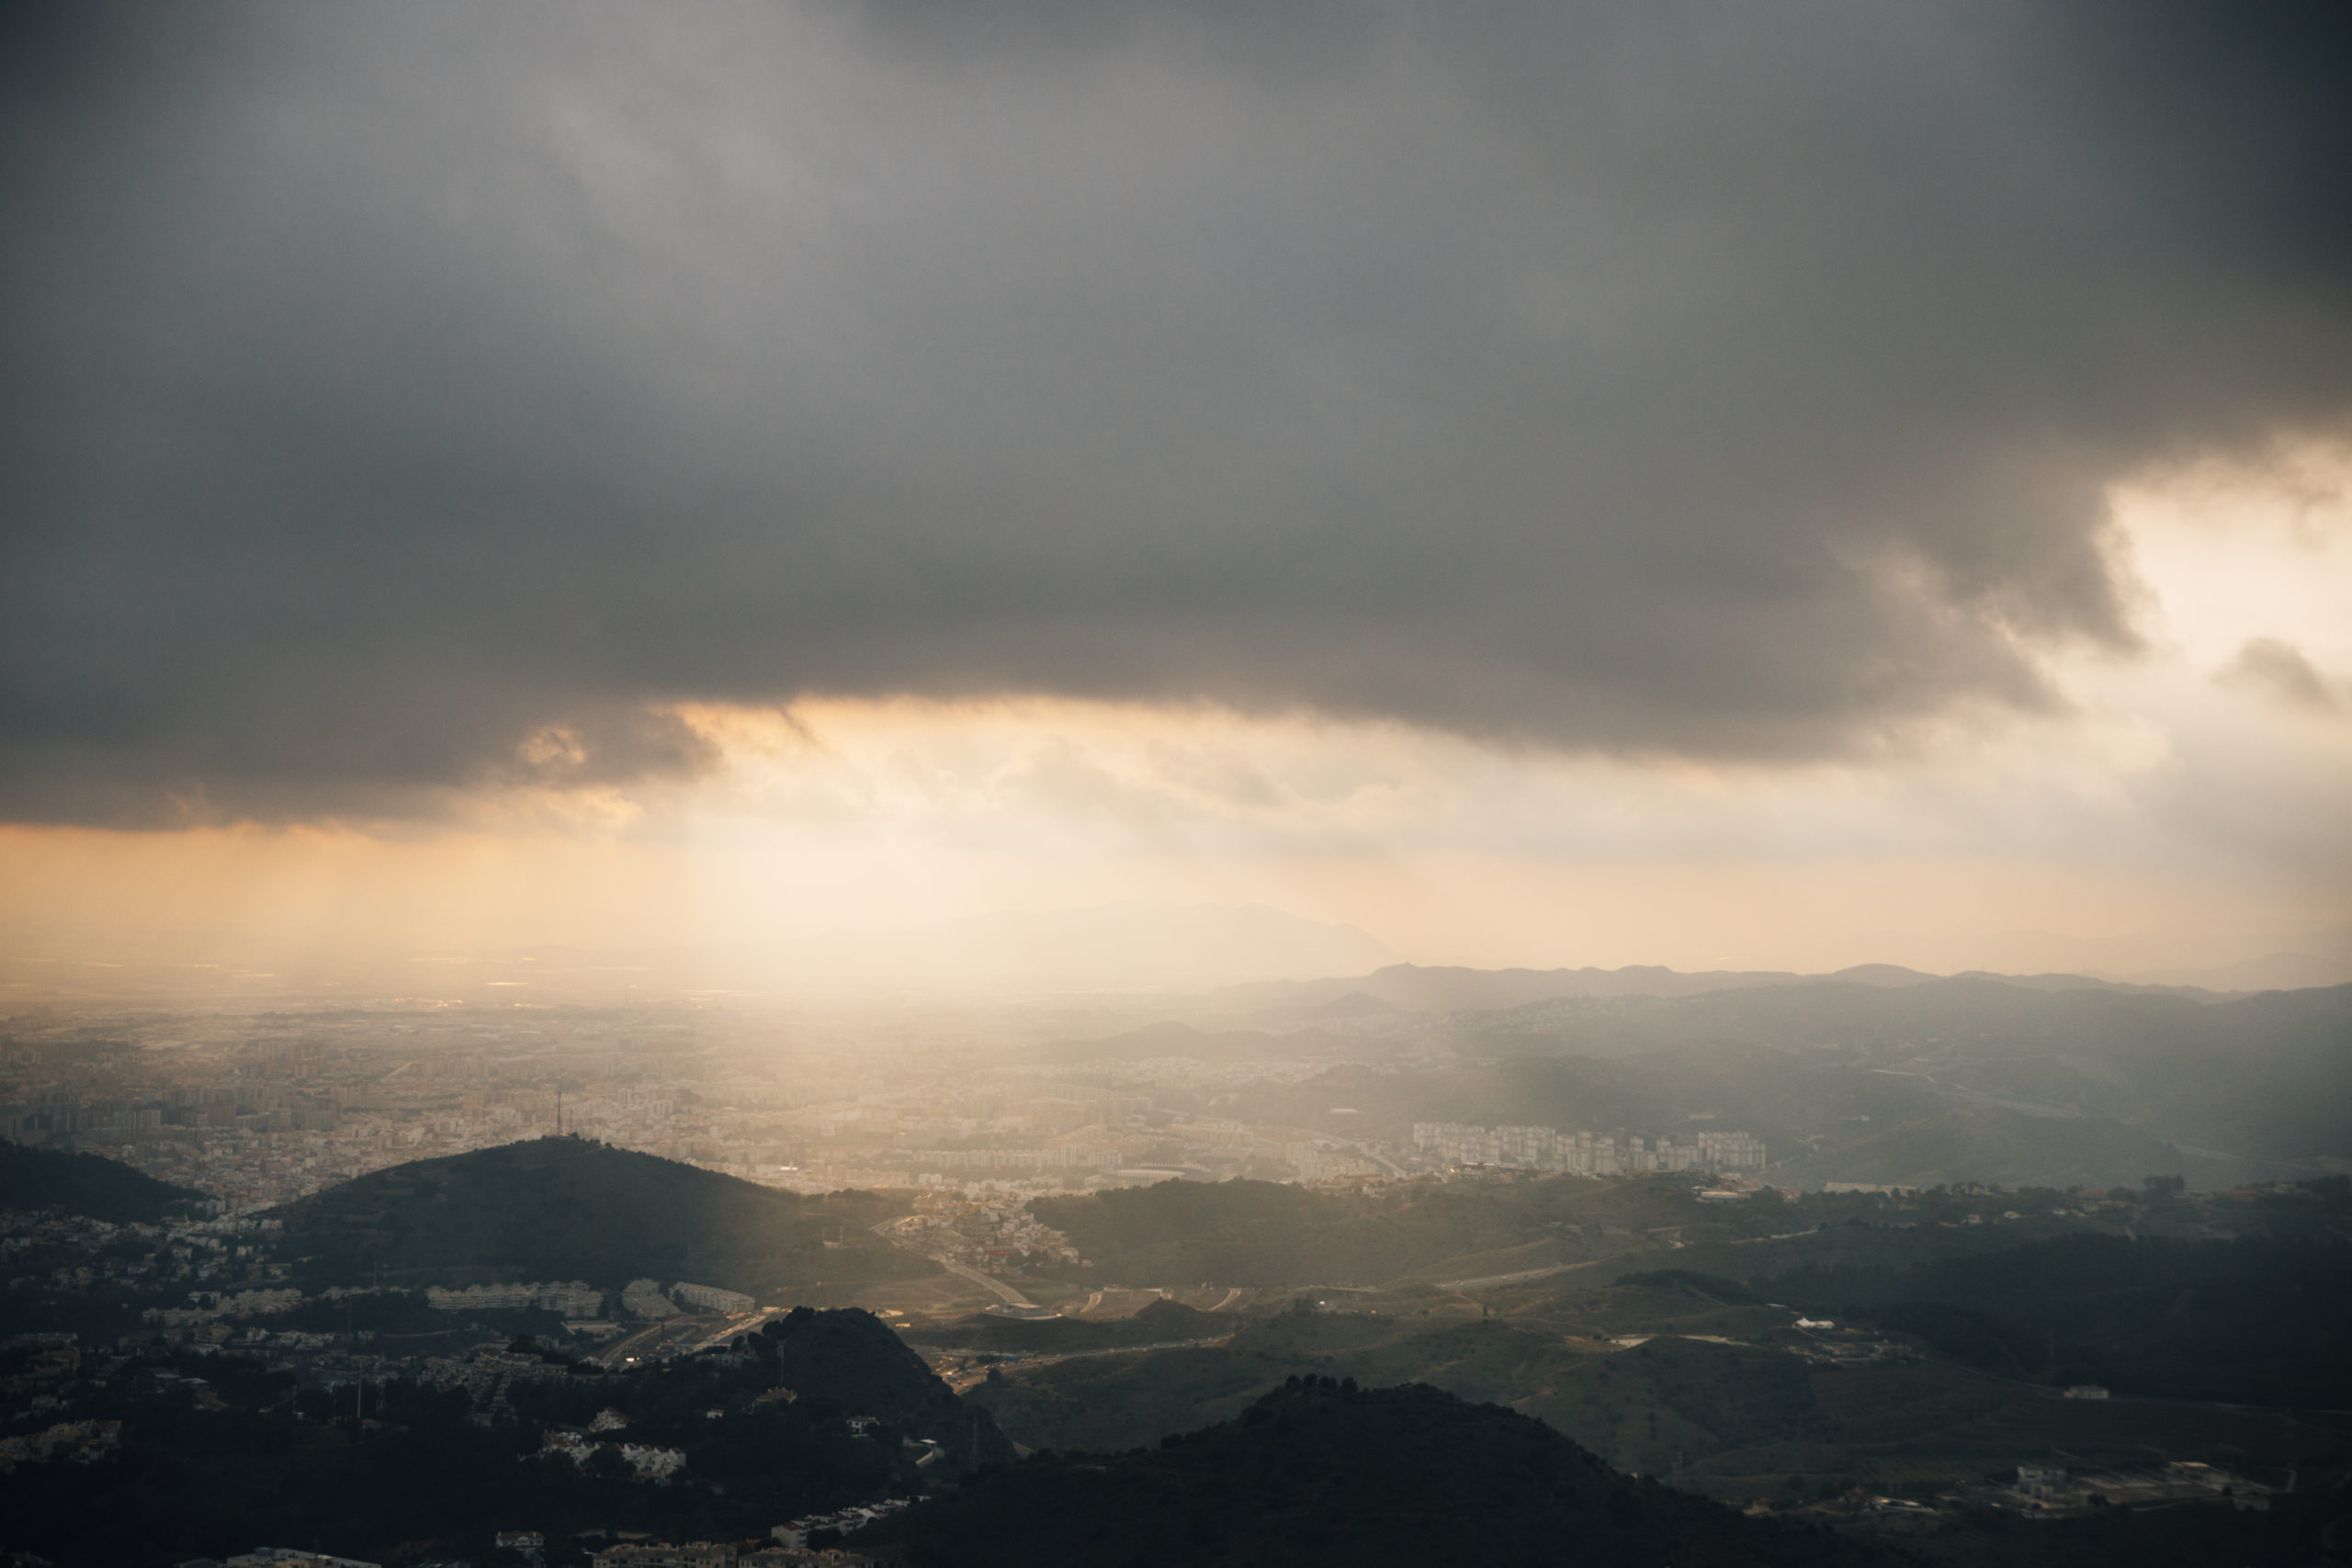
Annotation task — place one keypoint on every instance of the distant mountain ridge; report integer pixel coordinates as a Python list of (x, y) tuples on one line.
[(1413, 988)]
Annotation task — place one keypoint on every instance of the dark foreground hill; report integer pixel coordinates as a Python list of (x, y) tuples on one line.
[(1315, 1473), (852, 1361), (88, 1184), (207, 1469), (572, 1209)]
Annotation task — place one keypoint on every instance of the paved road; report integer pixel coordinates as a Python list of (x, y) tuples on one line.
[(1526, 1274), (681, 1336), (1784, 1236), (655, 1341), (978, 1375), (1011, 1296)]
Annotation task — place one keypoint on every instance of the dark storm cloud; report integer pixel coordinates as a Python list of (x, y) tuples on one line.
[(386, 387)]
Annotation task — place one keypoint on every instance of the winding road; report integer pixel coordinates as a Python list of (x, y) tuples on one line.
[(1012, 1297)]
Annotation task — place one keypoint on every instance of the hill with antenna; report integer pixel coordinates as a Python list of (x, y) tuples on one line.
[(569, 1208)]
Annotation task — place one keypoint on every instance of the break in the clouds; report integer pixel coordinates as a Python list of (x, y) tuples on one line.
[(399, 398)]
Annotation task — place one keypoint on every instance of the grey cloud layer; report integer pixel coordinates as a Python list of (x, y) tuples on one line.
[(384, 385)]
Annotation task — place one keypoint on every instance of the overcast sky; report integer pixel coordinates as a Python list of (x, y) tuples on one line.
[(1539, 435)]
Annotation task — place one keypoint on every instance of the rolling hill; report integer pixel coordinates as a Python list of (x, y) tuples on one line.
[(88, 1184), (850, 1360), (571, 1209), (1160, 1323), (1681, 1375), (1316, 1473)]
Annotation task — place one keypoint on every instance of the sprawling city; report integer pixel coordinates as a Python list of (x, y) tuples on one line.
[(1023, 1229)]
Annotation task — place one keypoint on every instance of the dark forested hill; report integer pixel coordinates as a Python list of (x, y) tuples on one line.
[(217, 1452), (2257, 1320), (850, 1360), (86, 1184), (569, 1208), (1316, 1473)]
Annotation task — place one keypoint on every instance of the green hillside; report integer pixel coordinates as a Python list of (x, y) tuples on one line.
[(2257, 1320), (88, 1184), (1316, 1473), (571, 1209), (1160, 1323), (1264, 1234), (1109, 1402), (1672, 1375), (1674, 1395)]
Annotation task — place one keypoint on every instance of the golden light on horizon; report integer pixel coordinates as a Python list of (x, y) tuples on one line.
[(2070, 841)]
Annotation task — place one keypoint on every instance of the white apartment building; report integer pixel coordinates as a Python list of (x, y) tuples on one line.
[(1548, 1148)]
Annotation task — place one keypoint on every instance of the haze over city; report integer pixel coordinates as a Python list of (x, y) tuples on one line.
[(828, 784)]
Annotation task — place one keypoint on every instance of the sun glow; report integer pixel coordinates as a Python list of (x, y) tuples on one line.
[(2189, 799)]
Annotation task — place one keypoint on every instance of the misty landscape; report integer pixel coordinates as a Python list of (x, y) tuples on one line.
[(1855, 1253), (860, 783)]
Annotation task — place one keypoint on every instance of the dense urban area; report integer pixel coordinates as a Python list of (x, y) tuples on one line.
[(257, 1112), (610, 1243)]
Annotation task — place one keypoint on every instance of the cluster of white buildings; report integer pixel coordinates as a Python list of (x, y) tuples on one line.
[(710, 1298), (1322, 1162), (211, 1308), (987, 1234), (795, 1536), (573, 1298), (1548, 1148), (723, 1554), (82, 1441), (649, 1463), (582, 1302), (486, 1373)]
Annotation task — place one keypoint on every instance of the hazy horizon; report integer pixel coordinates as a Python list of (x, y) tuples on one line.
[(1536, 486), (1137, 952)]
